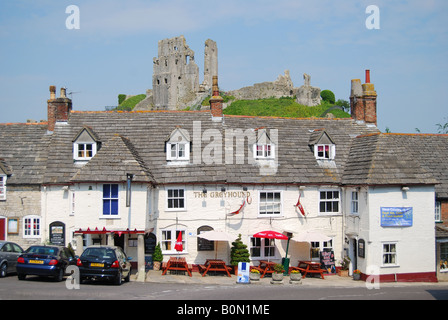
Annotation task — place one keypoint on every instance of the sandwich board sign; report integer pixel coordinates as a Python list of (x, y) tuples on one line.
[(243, 272)]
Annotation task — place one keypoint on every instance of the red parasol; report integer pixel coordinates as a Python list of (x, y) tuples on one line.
[(273, 235), (270, 235), (179, 247)]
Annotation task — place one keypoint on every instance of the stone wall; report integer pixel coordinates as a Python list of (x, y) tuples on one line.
[(21, 201), (282, 87), (176, 75)]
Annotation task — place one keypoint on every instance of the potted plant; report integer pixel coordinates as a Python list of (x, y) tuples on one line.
[(254, 275), (157, 257), (238, 253), (357, 274), (295, 275), (278, 272), (343, 270)]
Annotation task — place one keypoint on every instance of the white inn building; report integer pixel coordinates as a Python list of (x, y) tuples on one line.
[(135, 179)]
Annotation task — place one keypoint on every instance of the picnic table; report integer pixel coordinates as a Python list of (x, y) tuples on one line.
[(265, 267), (175, 263), (214, 265), (306, 267)]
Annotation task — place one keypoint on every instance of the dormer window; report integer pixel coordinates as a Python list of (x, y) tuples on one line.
[(178, 147), (5, 171), (264, 148), (324, 151), (178, 151), (322, 145), (263, 151), (85, 151), (85, 145), (2, 187)]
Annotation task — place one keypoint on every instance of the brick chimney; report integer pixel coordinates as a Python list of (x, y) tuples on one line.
[(216, 101), (363, 100), (58, 108)]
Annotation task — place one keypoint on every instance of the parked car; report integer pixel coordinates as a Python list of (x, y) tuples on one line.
[(9, 252), (43, 260), (104, 262)]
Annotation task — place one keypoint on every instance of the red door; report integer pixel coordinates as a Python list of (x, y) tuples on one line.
[(2, 228)]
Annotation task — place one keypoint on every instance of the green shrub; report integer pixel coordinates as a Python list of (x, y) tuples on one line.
[(239, 252), (121, 98), (328, 96), (157, 255)]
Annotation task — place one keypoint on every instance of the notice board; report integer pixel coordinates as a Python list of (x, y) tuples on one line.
[(327, 261), (396, 216)]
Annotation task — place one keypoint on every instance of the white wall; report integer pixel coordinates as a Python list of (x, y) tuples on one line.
[(415, 244), (211, 209), (57, 206)]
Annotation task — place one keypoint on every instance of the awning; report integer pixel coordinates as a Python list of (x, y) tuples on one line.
[(105, 231)]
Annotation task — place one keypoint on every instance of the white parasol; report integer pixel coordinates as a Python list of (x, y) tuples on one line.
[(216, 236), (310, 236)]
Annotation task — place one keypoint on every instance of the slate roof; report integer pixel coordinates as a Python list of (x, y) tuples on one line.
[(147, 132), (113, 162), (400, 159), (134, 142), (23, 148)]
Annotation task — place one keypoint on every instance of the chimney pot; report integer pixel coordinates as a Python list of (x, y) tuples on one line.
[(216, 101), (52, 92), (63, 91), (367, 76)]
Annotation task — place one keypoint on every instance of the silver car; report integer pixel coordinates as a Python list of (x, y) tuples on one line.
[(9, 252)]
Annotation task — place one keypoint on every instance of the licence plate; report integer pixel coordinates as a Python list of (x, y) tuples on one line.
[(36, 261), (101, 265)]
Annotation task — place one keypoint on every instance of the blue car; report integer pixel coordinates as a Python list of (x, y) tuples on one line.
[(42, 260)]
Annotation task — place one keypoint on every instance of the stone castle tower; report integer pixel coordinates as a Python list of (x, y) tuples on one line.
[(175, 80)]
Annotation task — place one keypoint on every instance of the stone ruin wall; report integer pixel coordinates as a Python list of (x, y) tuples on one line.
[(282, 87)]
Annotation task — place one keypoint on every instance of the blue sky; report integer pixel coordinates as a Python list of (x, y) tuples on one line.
[(113, 50)]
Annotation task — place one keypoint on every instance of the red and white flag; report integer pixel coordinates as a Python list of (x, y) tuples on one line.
[(239, 210), (299, 205)]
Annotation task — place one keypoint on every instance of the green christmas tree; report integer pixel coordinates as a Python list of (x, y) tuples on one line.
[(239, 252)]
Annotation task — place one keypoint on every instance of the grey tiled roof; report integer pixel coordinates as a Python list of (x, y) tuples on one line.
[(113, 162), (399, 159), (147, 132), (24, 149), (134, 142)]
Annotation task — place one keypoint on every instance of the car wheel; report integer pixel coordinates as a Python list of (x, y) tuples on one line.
[(59, 276), (21, 276), (128, 277), (118, 279), (3, 270)]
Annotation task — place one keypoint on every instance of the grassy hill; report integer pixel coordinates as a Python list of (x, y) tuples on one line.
[(282, 107), (271, 107)]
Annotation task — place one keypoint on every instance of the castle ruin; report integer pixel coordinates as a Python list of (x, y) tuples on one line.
[(175, 80)]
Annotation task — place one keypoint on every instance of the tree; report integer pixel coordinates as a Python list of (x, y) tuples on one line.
[(344, 104), (442, 128), (239, 252), (328, 96)]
